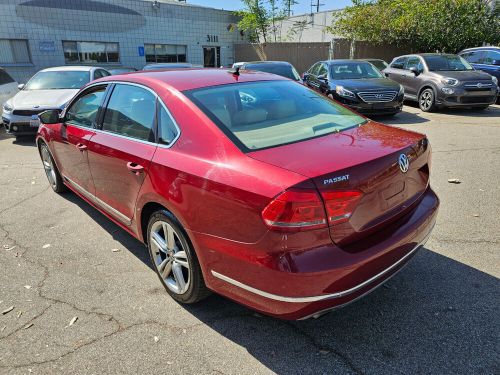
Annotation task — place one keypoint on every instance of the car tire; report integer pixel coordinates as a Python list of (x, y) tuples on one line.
[(51, 171), (427, 100), (174, 259)]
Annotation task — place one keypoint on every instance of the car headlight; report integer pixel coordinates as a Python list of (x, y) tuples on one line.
[(7, 107), (344, 92), (495, 80), (449, 81)]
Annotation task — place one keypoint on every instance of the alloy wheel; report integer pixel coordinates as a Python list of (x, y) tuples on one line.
[(48, 166), (426, 100), (170, 257)]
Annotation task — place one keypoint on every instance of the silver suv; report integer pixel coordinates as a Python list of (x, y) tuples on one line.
[(442, 80)]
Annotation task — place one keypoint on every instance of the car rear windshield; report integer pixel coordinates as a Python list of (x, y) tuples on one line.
[(258, 115), (354, 70), (64, 79), (284, 70), (379, 64), (446, 62)]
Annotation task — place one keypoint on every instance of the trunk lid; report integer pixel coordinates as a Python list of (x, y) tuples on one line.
[(364, 158)]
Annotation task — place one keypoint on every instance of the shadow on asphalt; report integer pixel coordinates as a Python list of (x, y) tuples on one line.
[(25, 140), (436, 316), (491, 111)]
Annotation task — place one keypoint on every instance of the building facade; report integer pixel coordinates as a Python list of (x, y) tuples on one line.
[(35, 34)]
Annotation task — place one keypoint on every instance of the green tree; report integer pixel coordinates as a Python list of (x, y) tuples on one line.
[(437, 25)]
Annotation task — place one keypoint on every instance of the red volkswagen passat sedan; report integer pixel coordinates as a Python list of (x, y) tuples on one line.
[(249, 185)]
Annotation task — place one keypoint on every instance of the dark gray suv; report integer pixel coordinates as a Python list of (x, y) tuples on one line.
[(442, 80)]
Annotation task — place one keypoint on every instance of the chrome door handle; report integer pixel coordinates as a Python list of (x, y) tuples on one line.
[(135, 168), (81, 146)]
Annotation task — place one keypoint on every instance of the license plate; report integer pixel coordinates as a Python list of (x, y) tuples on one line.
[(34, 122)]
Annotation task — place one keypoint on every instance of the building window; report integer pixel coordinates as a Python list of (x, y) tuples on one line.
[(14, 51), (90, 52), (165, 53)]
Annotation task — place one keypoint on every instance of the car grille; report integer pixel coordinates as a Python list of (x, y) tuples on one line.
[(477, 99), (478, 86), (377, 96), (26, 112)]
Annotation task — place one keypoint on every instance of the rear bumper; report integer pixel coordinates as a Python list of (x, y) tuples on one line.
[(305, 282)]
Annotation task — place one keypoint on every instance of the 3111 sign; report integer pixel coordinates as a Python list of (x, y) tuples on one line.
[(213, 38)]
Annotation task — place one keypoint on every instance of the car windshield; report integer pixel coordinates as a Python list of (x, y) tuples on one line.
[(379, 64), (63, 79), (284, 70), (257, 115), (354, 70), (446, 62)]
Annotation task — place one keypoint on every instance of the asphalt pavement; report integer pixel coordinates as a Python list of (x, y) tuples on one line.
[(86, 301)]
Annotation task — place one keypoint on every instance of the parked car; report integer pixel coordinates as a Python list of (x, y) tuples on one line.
[(291, 204), (115, 71), (50, 88), (378, 63), (8, 88), (486, 59), (357, 84), (281, 68), (237, 65), (442, 80), (157, 66)]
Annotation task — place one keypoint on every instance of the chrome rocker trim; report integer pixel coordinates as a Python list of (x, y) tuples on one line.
[(98, 202), (324, 296)]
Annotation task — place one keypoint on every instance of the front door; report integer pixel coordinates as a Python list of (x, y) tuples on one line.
[(211, 57), (71, 147), (411, 81), (120, 152)]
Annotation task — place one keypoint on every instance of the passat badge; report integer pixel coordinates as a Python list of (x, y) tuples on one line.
[(335, 179), (404, 163)]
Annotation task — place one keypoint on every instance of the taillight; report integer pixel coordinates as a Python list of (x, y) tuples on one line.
[(295, 210), (340, 205)]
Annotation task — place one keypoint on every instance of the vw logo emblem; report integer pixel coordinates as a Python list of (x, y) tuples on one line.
[(479, 85), (404, 163)]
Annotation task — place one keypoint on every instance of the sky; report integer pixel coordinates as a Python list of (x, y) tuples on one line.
[(303, 6)]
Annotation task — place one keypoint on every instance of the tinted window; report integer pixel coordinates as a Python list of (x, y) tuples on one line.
[(83, 111), (446, 63), (99, 73), (491, 56), (63, 79), (399, 63), (5, 77), (473, 56), (315, 69), (354, 70), (322, 70), (168, 130), (414, 62), (130, 112), (379, 64), (258, 115), (283, 70)]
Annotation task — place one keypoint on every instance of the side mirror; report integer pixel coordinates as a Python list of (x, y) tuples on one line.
[(415, 70), (50, 117), (323, 77), (21, 86)]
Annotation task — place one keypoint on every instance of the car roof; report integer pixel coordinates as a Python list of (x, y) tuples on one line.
[(71, 68), (267, 62), (190, 79), (484, 48), (342, 61)]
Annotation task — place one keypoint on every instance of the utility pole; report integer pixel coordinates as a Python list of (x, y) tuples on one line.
[(316, 4)]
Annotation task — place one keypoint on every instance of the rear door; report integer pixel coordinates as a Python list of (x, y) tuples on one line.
[(71, 144), (121, 150)]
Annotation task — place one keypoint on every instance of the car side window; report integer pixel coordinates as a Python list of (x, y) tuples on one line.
[(99, 73), (399, 63), (414, 62), (473, 57), (314, 70), (490, 57), (322, 70), (167, 129), (130, 112), (83, 111)]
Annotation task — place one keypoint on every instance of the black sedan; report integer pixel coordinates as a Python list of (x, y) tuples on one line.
[(357, 84)]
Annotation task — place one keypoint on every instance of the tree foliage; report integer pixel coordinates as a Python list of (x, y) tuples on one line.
[(260, 19), (427, 26)]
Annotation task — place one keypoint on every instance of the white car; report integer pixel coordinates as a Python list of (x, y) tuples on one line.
[(8, 88), (50, 88)]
